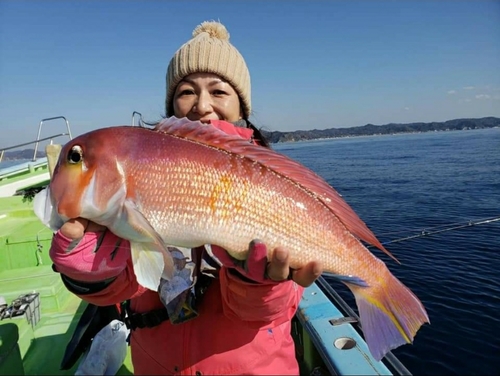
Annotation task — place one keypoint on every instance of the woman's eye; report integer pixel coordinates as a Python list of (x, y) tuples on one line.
[(219, 92), (185, 92)]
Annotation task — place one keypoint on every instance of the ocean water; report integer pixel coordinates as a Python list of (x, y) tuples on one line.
[(401, 185), (10, 163)]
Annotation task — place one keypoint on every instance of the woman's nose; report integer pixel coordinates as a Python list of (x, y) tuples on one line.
[(203, 105)]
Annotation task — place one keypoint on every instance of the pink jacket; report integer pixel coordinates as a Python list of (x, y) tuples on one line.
[(242, 328)]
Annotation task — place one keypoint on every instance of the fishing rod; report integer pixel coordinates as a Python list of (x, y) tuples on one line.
[(454, 226)]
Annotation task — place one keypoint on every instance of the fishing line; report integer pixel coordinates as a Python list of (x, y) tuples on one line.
[(439, 229), (419, 229)]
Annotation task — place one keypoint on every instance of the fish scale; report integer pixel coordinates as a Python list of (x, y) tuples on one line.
[(235, 208)]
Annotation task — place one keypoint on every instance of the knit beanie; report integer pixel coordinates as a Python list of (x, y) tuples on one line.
[(209, 51)]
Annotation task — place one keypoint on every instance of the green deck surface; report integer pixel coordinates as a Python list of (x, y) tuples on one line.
[(25, 267), (24, 240), (40, 349)]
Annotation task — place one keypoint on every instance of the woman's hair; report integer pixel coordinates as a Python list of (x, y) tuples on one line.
[(257, 135)]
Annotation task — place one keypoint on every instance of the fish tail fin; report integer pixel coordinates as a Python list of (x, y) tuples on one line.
[(390, 314)]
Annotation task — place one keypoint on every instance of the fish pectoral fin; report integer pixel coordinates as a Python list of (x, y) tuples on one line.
[(148, 264), (45, 211), (148, 241)]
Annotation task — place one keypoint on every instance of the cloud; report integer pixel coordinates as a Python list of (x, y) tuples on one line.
[(468, 87), (483, 96), (407, 108), (452, 91)]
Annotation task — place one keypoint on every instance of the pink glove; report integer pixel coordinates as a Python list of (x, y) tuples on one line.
[(97, 256), (254, 267)]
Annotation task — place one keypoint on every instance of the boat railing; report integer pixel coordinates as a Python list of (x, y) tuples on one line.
[(38, 139), (40, 131), (2, 151), (140, 122), (390, 359)]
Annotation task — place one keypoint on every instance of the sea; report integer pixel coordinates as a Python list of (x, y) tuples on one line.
[(407, 188), (421, 194)]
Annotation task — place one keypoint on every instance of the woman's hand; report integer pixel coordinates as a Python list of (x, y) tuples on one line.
[(85, 251), (278, 269), (258, 268), (75, 228)]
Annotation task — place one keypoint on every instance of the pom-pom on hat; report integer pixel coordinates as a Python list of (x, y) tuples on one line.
[(209, 51)]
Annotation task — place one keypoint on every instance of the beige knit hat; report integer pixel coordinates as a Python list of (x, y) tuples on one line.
[(209, 51)]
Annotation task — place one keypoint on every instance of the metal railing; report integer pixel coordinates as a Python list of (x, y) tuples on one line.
[(40, 130), (38, 139), (140, 123)]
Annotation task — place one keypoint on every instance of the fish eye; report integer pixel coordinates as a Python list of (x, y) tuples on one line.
[(75, 155)]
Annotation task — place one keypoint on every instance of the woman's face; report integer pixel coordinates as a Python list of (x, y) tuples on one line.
[(205, 97)]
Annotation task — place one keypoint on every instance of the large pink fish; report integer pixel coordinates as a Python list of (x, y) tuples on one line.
[(188, 184)]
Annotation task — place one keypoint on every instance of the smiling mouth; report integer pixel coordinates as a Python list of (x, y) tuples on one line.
[(203, 120)]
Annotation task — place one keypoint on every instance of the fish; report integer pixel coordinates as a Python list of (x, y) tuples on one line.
[(188, 184)]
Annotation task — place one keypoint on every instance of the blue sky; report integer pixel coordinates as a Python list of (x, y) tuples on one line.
[(314, 64)]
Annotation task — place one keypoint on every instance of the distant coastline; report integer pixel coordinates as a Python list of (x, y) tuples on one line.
[(317, 134), (372, 130)]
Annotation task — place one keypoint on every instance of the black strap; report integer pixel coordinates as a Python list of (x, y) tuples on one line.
[(142, 320), (83, 288), (153, 318)]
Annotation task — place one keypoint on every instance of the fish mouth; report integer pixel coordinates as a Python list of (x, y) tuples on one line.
[(44, 209)]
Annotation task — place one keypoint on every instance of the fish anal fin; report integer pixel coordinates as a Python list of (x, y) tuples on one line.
[(352, 279)]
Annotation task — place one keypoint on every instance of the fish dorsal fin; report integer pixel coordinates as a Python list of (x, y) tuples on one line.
[(291, 170)]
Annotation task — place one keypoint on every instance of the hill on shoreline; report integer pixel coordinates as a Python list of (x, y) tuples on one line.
[(314, 134), (392, 128), (22, 154)]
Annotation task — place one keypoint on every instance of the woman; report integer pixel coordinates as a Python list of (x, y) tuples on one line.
[(237, 318)]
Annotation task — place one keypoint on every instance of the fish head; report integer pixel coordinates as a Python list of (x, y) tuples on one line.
[(88, 181)]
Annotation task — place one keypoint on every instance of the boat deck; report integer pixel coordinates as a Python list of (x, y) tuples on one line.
[(34, 342), (24, 240), (25, 340)]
